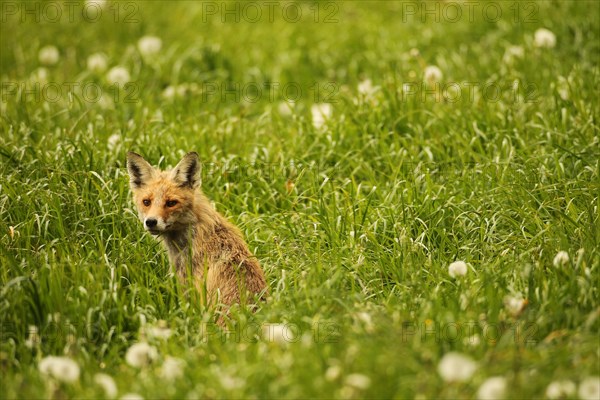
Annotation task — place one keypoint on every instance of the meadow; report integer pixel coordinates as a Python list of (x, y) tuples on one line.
[(419, 180)]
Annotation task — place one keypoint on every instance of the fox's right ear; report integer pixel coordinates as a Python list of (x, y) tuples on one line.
[(140, 171)]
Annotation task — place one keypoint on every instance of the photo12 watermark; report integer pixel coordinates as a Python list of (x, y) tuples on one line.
[(57, 92), (471, 92), (326, 12), (254, 92), (468, 11), (69, 11)]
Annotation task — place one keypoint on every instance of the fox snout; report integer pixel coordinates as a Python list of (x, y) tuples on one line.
[(154, 225)]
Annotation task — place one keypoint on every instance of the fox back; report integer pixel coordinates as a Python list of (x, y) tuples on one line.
[(202, 245)]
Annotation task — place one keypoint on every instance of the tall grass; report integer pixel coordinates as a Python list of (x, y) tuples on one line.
[(354, 223)]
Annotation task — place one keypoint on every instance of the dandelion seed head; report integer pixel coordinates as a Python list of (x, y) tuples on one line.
[(286, 108), (333, 373), (320, 114), (231, 383), (107, 383), (149, 45), (97, 62), (358, 381), (493, 388), (40, 75), (561, 258), (159, 331), (277, 333), (63, 369), (33, 339), (512, 53), (366, 88), (118, 75), (113, 141), (560, 390), (97, 3), (457, 268), (473, 340), (544, 38), (432, 74), (589, 388), (172, 368), (515, 305), (131, 396), (48, 55), (456, 367), (140, 354), (414, 52)]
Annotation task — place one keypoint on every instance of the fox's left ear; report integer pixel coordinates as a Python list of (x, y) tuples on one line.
[(187, 172), (140, 171)]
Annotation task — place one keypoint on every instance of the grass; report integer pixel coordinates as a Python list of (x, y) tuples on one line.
[(355, 223)]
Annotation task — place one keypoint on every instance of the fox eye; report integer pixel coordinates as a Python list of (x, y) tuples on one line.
[(171, 203), (146, 202)]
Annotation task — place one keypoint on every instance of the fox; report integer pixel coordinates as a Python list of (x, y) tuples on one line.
[(203, 247)]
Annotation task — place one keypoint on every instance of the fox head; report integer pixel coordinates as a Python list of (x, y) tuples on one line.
[(164, 199)]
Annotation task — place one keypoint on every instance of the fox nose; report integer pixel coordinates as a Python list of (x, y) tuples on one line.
[(151, 222)]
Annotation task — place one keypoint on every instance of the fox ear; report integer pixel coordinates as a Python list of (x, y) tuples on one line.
[(187, 172), (139, 170)]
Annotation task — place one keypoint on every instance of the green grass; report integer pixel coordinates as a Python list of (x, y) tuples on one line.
[(356, 251)]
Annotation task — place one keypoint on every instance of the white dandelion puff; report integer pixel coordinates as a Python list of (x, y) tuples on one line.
[(366, 88), (149, 45), (589, 388), (515, 305), (562, 87), (457, 268), (61, 368), (561, 258), (231, 383), (366, 321), (48, 55), (159, 331), (432, 74), (169, 92), (131, 396), (40, 75), (118, 75), (414, 52), (140, 354), (278, 333), (286, 108), (113, 141), (172, 368), (473, 340), (560, 390), (320, 114), (333, 373), (408, 87), (493, 388), (97, 3), (455, 367), (544, 38), (105, 102), (358, 381), (97, 62), (107, 383), (33, 339), (512, 53)]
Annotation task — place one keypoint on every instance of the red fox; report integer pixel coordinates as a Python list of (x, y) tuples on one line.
[(199, 240)]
